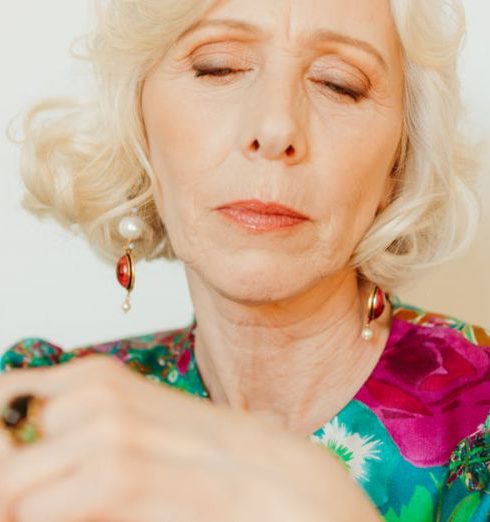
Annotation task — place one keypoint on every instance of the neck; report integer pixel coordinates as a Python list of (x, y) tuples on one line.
[(299, 360)]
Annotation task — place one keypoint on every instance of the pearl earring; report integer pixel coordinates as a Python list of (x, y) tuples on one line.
[(376, 306), (130, 228)]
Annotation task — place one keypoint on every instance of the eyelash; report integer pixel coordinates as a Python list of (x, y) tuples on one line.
[(218, 73)]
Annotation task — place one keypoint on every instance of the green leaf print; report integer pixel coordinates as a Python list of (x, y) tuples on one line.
[(344, 453), (420, 508), (465, 508)]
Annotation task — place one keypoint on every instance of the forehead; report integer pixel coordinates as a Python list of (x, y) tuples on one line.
[(303, 23)]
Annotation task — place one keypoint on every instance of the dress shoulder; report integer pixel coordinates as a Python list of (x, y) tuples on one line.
[(30, 352), (431, 387), (33, 352), (429, 401), (416, 315), (161, 356)]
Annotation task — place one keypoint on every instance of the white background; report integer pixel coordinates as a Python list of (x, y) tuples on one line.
[(53, 286)]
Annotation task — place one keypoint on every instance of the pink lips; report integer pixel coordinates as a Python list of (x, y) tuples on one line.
[(257, 215)]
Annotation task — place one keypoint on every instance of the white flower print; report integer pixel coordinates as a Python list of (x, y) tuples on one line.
[(352, 448)]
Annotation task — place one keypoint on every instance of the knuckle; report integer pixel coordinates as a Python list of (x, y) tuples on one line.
[(20, 379), (98, 363), (105, 392), (86, 402)]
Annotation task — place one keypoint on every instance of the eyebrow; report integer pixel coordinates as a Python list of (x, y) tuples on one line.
[(311, 38)]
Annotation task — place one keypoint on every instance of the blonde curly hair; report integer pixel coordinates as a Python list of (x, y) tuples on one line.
[(86, 163)]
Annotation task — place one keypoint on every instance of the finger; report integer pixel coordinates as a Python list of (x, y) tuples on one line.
[(43, 382), (49, 382), (23, 471), (157, 494), (26, 468), (80, 493), (100, 393), (51, 379), (81, 405)]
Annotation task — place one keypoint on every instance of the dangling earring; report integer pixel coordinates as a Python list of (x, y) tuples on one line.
[(376, 306), (130, 228)]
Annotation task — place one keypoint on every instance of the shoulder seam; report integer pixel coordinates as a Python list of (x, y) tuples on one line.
[(477, 335)]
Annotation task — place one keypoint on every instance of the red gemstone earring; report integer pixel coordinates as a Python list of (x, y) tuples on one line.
[(376, 306), (130, 228)]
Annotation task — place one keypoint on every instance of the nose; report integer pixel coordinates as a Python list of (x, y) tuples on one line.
[(277, 127)]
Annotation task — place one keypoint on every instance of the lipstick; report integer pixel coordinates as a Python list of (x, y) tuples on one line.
[(260, 216)]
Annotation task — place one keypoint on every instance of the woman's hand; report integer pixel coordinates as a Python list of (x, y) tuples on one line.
[(118, 447)]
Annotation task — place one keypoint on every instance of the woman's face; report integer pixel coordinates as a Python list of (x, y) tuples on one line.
[(305, 110)]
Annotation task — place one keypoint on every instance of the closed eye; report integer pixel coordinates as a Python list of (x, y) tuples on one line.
[(219, 72), (222, 72), (339, 89)]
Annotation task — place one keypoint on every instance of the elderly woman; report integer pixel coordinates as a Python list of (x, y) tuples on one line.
[(301, 158)]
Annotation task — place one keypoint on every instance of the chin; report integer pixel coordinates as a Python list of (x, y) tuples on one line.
[(259, 280)]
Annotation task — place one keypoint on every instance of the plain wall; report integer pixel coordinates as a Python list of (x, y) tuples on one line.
[(53, 286)]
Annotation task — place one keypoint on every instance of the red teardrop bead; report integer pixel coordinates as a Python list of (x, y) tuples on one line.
[(377, 304), (124, 271)]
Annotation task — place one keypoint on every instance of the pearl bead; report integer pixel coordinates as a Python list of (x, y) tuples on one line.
[(131, 227), (126, 306), (367, 333)]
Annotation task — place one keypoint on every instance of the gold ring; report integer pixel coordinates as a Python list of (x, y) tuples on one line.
[(21, 419)]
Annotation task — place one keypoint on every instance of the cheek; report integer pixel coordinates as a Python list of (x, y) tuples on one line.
[(184, 134), (355, 159), (188, 142)]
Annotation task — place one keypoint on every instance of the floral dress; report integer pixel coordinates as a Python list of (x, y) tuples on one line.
[(416, 436)]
